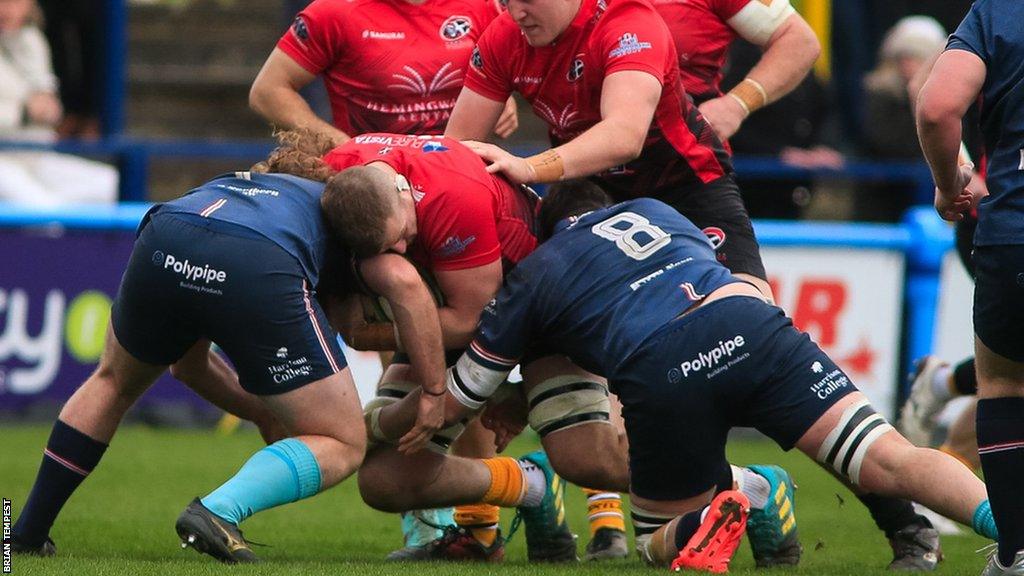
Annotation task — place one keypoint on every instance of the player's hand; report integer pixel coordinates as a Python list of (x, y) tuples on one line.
[(44, 108), (429, 419), (506, 419), (724, 114), (952, 205), (514, 168), (508, 122)]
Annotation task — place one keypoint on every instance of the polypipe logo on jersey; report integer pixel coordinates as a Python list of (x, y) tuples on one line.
[(190, 271), (711, 358), (456, 28)]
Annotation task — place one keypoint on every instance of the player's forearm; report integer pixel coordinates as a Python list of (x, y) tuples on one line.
[(787, 59), (607, 144), (940, 136), (457, 327), (419, 330), (285, 108)]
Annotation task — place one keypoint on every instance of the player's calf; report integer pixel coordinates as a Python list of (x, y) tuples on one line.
[(858, 444)]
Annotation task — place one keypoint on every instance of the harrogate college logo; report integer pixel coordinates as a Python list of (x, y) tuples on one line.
[(456, 28)]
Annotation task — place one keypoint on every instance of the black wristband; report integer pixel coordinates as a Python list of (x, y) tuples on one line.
[(435, 394)]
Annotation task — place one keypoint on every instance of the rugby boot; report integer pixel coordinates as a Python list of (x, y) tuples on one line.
[(994, 568), (548, 538), (607, 544), (915, 547), (419, 529), (210, 534), (772, 529), (458, 544), (47, 548), (917, 417), (713, 544)]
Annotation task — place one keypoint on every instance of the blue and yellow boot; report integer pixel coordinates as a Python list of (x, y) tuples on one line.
[(772, 529), (548, 538)]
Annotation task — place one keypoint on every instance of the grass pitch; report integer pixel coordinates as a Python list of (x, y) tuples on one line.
[(121, 521)]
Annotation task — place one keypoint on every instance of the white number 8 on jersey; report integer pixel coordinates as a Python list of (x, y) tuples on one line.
[(626, 238)]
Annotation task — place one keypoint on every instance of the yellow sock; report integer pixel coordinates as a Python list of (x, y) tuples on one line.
[(604, 509), (508, 484), (963, 460), (481, 520)]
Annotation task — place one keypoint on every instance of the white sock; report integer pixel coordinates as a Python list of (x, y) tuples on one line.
[(536, 484), (754, 486), (940, 382)]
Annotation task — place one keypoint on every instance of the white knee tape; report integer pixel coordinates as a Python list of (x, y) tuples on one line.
[(846, 446), (566, 401)]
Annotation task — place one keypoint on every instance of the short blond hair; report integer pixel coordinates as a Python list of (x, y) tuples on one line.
[(357, 203)]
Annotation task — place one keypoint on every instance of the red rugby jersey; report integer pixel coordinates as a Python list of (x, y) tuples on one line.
[(563, 83), (702, 38), (465, 217), (389, 65)]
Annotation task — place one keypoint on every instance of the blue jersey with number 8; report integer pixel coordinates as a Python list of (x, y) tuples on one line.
[(599, 287)]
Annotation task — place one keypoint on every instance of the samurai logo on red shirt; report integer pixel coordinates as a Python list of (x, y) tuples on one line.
[(456, 28)]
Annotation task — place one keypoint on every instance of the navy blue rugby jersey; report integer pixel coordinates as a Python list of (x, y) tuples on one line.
[(285, 209), (993, 30), (596, 290)]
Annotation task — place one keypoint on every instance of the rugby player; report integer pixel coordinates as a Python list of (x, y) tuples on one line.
[(465, 228), (692, 350), (236, 261), (983, 59), (388, 67), (610, 89), (703, 30), (568, 407)]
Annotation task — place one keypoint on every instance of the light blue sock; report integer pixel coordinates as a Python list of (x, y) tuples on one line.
[(983, 522), (283, 472)]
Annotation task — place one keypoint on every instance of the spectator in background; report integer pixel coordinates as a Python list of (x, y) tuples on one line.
[(74, 29), (889, 131), (29, 110)]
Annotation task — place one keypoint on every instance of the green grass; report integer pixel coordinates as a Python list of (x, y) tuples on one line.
[(121, 520)]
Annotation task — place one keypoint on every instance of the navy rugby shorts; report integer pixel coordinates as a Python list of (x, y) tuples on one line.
[(191, 277), (999, 299), (733, 362)]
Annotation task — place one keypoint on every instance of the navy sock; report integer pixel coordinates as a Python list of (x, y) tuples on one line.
[(687, 527), (965, 379), (69, 457), (1001, 447), (892, 514)]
